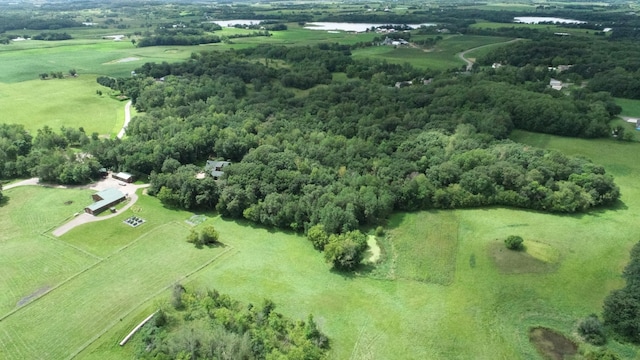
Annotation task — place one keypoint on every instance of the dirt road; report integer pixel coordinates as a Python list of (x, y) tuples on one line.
[(127, 118)]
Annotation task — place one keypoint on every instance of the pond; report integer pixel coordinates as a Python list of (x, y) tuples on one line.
[(539, 19), (357, 27)]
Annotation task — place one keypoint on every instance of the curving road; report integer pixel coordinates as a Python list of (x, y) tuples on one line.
[(470, 63), (127, 118)]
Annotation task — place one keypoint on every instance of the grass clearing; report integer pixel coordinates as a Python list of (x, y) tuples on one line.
[(100, 296), (22, 61), (30, 261), (630, 107), (69, 102), (372, 255), (426, 245), (441, 57)]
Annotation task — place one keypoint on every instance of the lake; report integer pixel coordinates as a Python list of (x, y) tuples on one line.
[(227, 23), (357, 27), (537, 20)]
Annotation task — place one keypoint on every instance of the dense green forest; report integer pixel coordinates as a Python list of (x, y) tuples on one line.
[(210, 325), (610, 66), (349, 153)]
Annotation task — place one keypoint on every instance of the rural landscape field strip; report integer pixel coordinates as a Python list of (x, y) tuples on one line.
[(29, 261), (95, 298), (446, 286)]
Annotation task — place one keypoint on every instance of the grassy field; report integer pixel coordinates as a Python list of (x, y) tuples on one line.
[(630, 107), (441, 57), (69, 102), (451, 293), (24, 60), (30, 261), (99, 291)]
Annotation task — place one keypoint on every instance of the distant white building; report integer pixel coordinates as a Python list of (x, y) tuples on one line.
[(556, 84)]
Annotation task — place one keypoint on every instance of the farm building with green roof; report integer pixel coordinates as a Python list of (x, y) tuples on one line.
[(104, 200)]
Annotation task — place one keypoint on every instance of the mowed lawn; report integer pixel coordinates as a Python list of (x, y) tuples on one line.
[(31, 263), (630, 107), (69, 102), (100, 294)]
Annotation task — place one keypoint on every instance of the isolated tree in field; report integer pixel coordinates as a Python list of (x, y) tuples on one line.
[(513, 242), (209, 235), (194, 238), (43, 76), (73, 72)]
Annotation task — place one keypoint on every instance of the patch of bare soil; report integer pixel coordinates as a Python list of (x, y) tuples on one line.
[(517, 262), (551, 344), (33, 295)]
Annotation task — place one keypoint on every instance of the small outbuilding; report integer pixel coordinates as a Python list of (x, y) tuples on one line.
[(104, 199), (123, 176)]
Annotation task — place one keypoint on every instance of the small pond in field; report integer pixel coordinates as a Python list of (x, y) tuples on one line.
[(544, 19), (357, 27)]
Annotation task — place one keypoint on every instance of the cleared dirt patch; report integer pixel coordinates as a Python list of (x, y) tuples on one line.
[(535, 258), (33, 295), (551, 344)]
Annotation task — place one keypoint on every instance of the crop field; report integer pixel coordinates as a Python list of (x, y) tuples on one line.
[(69, 102)]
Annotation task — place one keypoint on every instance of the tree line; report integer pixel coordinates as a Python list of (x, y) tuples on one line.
[(610, 66), (51, 156)]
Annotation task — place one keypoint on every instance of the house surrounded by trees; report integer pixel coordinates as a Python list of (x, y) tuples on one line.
[(215, 168)]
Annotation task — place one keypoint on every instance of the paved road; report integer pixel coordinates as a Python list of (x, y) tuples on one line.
[(470, 63), (127, 118)]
